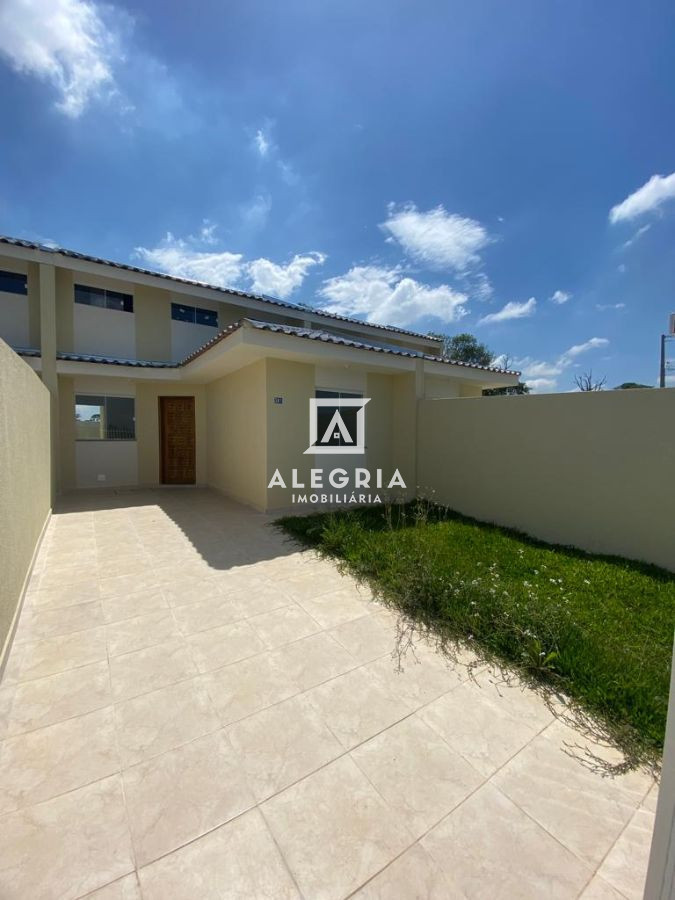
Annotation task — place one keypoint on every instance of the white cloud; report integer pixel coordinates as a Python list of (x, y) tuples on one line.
[(180, 257), (256, 213), (387, 296), (604, 306), (560, 297), (186, 258), (262, 143), (436, 238), (279, 280), (542, 376), (63, 42), (636, 237), (512, 310), (649, 197)]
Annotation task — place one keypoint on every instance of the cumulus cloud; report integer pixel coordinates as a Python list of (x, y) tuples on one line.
[(512, 310), (388, 296), (646, 199), (281, 280), (262, 143), (560, 297), (436, 238), (63, 42), (188, 258), (542, 376)]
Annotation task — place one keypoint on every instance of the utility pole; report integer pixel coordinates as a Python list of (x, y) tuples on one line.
[(662, 370)]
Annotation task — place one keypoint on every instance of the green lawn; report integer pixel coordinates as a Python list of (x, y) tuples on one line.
[(599, 628)]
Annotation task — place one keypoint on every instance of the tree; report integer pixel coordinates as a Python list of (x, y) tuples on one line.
[(586, 382), (627, 385), (465, 348), (520, 388)]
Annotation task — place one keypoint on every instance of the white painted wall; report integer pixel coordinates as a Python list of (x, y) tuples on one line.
[(340, 378), (104, 332), (14, 319), (116, 460)]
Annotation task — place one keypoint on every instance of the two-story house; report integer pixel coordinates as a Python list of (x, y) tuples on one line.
[(157, 380)]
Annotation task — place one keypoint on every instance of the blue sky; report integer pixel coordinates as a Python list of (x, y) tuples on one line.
[(499, 168)]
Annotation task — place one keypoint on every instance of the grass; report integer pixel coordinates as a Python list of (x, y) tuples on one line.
[(597, 628)]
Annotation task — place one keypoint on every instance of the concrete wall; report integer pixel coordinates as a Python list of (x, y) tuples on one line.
[(236, 434), (25, 473), (594, 470)]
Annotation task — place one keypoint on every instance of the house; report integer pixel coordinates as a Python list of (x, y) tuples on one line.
[(158, 380)]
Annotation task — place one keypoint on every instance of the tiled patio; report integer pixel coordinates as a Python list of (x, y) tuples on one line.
[(194, 709)]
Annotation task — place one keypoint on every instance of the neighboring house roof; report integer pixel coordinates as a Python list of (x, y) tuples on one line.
[(310, 310), (307, 333)]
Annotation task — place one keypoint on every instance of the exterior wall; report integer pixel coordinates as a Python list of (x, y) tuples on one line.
[(106, 464), (15, 310), (594, 470), (25, 489), (405, 389), (147, 426), (379, 423), (288, 426), (65, 311), (236, 434), (152, 312)]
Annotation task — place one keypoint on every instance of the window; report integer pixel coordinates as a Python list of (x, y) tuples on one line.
[(324, 415), (194, 314), (104, 418), (104, 299), (13, 282)]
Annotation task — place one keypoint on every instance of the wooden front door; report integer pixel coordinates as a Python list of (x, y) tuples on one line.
[(177, 439)]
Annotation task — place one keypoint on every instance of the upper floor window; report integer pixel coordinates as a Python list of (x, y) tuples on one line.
[(194, 314), (13, 282), (103, 298), (104, 418)]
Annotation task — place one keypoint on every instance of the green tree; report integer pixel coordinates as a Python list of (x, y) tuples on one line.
[(465, 348), (631, 384)]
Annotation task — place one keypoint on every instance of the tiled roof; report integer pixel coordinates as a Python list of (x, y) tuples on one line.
[(327, 338), (310, 334), (310, 310)]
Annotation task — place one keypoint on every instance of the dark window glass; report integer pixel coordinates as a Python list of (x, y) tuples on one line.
[(104, 418), (206, 317), (90, 296), (93, 296), (324, 415), (182, 313), (13, 283), (116, 300)]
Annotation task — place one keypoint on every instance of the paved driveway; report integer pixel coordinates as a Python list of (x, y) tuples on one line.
[(194, 709)]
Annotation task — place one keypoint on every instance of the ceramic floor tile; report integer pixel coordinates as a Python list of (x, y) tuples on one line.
[(58, 654), (37, 624), (182, 794), (163, 719), (290, 623), (625, 866), (239, 861), (68, 846), (413, 876), (488, 847), (556, 787), (485, 727), (131, 606), (126, 888), (335, 607), (55, 698), (355, 706), (226, 644), (314, 659), (417, 677), (141, 632), (245, 687), (335, 830), (279, 745), (416, 772), (147, 670), (366, 638), (206, 614), (66, 595), (42, 764)]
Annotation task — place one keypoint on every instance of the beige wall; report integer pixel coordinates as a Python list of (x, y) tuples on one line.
[(595, 470), (25, 472), (236, 434), (288, 425), (153, 323), (147, 427)]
